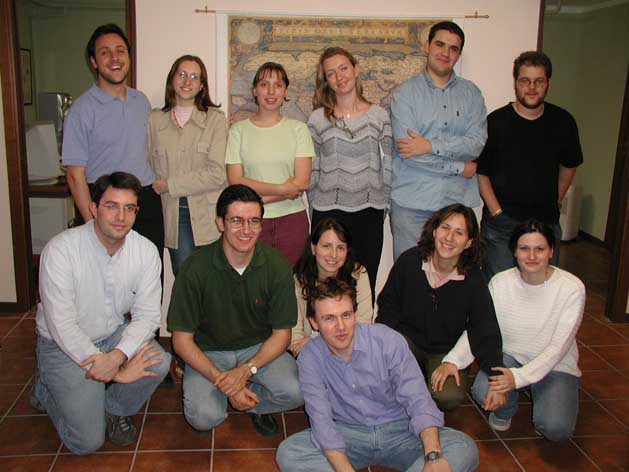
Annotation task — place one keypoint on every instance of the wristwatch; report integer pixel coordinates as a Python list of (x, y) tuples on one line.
[(432, 456), (252, 368)]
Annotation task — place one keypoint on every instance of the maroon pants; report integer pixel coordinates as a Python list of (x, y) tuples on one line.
[(287, 234)]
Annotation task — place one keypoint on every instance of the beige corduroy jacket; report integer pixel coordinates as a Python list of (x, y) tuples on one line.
[(192, 159)]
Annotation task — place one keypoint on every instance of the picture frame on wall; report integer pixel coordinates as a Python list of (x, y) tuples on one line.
[(27, 76)]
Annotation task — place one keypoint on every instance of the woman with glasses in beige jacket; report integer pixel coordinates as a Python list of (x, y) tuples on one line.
[(186, 145)]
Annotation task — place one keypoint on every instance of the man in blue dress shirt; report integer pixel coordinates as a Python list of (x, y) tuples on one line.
[(366, 398), (440, 127)]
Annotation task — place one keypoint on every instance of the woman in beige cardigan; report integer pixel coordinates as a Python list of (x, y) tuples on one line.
[(186, 145), (328, 253)]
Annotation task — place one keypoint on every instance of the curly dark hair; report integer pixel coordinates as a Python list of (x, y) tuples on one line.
[(470, 257), (305, 269)]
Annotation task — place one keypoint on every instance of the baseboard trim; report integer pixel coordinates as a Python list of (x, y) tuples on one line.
[(592, 239), (7, 308)]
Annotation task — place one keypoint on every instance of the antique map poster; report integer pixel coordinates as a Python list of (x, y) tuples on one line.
[(389, 51)]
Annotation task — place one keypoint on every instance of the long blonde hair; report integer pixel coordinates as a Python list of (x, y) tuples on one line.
[(324, 96)]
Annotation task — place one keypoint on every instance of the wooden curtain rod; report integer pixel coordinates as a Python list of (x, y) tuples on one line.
[(475, 16)]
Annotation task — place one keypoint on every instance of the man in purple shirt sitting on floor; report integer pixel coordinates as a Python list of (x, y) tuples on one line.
[(366, 398)]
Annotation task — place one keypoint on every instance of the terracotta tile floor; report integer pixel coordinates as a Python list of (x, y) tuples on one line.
[(28, 441)]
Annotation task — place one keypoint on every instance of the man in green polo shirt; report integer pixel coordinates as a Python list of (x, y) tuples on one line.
[(231, 313)]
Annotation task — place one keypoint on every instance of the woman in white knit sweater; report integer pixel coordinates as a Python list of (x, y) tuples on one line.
[(539, 309)]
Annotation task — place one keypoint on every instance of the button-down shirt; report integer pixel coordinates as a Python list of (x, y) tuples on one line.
[(105, 134), (454, 119), (380, 383), (86, 293)]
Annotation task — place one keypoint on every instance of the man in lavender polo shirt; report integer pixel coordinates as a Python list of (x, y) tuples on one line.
[(366, 398), (105, 132)]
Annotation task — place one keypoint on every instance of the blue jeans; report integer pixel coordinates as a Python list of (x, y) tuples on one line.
[(276, 385), (77, 405), (185, 239), (497, 230), (390, 445), (406, 227), (555, 401)]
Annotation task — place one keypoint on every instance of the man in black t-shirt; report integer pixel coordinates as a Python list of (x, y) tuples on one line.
[(528, 162)]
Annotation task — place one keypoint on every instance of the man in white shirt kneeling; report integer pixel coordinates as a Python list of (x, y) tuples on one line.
[(100, 306)]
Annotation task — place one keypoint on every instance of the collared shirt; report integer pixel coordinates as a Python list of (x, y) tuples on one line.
[(380, 383), (105, 134), (86, 293), (454, 119), (433, 278), (228, 311)]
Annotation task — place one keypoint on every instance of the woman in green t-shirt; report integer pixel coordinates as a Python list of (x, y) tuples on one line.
[(273, 155)]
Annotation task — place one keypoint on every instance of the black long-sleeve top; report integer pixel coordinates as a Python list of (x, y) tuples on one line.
[(434, 319)]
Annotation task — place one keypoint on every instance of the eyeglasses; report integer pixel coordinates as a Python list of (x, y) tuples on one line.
[(344, 127), (183, 75), (526, 82), (238, 222), (115, 208)]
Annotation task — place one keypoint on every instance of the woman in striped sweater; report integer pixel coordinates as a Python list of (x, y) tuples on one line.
[(351, 173)]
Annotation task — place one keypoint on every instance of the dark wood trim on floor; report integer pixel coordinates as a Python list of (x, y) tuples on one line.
[(8, 309), (132, 39), (617, 231), (618, 286), (588, 237), (16, 155), (540, 25)]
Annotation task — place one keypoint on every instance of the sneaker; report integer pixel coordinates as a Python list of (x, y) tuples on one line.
[(32, 398), (120, 429), (264, 424), (498, 423)]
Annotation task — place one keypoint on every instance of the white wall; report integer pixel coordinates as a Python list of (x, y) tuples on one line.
[(167, 29), (8, 292)]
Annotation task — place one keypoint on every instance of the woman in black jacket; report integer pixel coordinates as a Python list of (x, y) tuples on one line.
[(437, 298)]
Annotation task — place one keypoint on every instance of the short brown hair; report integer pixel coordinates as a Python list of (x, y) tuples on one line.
[(330, 288), (532, 58), (267, 69)]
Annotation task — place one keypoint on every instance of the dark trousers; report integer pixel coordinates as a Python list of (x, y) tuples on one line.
[(451, 395), (366, 227), (150, 220)]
